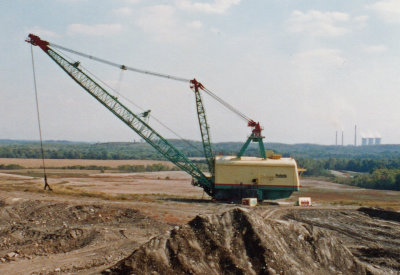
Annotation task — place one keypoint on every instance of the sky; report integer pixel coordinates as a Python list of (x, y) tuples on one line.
[(303, 68)]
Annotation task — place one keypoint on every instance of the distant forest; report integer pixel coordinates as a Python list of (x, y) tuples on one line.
[(381, 163), (127, 150)]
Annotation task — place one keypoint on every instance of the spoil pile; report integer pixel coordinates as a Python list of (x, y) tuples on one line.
[(32, 231), (242, 242)]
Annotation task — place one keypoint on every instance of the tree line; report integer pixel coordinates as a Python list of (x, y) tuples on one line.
[(321, 167), (141, 150), (386, 179)]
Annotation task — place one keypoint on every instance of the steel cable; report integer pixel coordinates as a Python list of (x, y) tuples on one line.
[(124, 67), (137, 106), (46, 185), (226, 104)]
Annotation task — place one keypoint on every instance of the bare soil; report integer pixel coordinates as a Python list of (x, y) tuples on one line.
[(160, 223)]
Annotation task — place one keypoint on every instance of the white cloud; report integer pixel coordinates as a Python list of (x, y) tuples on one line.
[(388, 10), (215, 30), (95, 30), (162, 23), (159, 21), (361, 21), (319, 23), (132, 1), (124, 11), (195, 24), (40, 31), (320, 57), (375, 49), (217, 6)]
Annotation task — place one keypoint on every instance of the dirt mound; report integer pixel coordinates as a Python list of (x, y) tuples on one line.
[(241, 242)]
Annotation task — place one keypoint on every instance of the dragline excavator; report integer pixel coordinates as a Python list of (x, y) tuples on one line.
[(229, 177)]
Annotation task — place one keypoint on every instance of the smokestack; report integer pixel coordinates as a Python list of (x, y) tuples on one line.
[(336, 139), (355, 135), (342, 138)]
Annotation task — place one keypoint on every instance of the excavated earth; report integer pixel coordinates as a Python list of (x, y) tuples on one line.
[(157, 223), (274, 241), (55, 234)]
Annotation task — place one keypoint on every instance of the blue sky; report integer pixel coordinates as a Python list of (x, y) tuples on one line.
[(304, 69)]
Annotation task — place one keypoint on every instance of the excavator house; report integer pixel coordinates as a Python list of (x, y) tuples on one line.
[(227, 177)]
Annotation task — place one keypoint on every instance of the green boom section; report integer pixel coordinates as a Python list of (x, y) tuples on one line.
[(204, 129), (254, 139), (133, 121)]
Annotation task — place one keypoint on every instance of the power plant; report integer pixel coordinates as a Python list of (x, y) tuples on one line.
[(366, 140)]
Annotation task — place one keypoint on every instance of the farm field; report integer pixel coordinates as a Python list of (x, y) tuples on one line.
[(93, 220)]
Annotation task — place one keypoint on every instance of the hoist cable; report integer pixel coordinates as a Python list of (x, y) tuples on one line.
[(226, 104), (137, 106), (121, 75), (123, 67), (46, 185)]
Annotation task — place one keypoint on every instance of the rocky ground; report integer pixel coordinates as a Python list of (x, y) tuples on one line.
[(39, 237)]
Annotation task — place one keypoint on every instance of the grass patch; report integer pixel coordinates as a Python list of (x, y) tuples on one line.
[(11, 166)]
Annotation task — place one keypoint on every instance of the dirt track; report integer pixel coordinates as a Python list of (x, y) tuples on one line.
[(49, 233)]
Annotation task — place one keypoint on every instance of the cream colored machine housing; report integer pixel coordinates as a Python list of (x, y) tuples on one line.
[(266, 178)]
